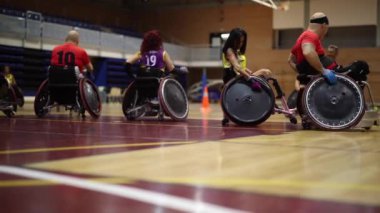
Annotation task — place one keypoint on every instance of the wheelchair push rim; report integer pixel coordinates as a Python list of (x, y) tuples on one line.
[(90, 97), (245, 105), (11, 99), (334, 107), (173, 99), (41, 100), (129, 100)]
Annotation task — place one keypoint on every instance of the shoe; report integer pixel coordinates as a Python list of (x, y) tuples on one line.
[(256, 86), (225, 122), (154, 101)]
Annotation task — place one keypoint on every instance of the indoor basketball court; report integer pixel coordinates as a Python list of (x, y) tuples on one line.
[(104, 155)]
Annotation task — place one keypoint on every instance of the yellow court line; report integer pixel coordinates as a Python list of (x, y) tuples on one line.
[(228, 182), (23, 183), (20, 151)]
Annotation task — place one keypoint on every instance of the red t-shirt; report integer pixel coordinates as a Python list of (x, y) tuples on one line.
[(307, 37), (69, 54)]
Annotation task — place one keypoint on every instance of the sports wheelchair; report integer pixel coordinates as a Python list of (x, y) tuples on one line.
[(64, 86), (8, 99), (340, 106), (151, 93), (245, 104)]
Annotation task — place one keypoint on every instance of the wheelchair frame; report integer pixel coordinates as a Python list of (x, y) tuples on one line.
[(9, 107), (44, 101), (140, 106)]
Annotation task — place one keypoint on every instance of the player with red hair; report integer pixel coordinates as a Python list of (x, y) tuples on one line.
[(152, 54)]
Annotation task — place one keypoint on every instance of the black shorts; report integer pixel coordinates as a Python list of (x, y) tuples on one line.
[(228, 74), (305, 69)]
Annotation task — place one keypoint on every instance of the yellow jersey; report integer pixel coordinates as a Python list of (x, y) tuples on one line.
[(10, 78), (241, 58)]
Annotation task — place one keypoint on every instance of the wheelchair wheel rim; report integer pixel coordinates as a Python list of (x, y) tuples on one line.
[(90, 97), (247, 106), (338, 106), (129, 99), (173, 99), (41, 100)]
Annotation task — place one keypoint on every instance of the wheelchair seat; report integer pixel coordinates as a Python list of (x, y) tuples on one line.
[(64, 87)]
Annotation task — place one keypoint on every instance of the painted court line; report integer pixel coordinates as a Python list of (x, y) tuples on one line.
[(109, 146), (142, 195)]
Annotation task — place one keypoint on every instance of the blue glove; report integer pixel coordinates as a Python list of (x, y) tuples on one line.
[(330, 76)]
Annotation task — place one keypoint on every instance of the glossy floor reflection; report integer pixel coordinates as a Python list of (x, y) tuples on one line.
[(196, 165)]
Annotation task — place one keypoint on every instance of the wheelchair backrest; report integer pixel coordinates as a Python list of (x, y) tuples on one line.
[(62, 76), (148, 81), (63, 84), (144, 72), (358, 70)]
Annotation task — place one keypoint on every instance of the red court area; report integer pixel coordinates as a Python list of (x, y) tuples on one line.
[(45, 167)]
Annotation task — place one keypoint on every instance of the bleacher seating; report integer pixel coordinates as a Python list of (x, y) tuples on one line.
[(28, 65), (116, 74)]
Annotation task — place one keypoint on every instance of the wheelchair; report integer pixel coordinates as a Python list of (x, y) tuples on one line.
[(151, 94), (8, 99), (340, 106), (247, 105), (65, 87)]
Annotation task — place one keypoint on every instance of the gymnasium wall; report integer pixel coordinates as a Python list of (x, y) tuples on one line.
[(193, 26)]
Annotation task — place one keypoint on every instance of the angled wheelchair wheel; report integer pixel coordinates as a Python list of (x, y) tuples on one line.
[(42, 100), (19, 96), (173, 99), (245, 105), (90, 98), (9, 101), (334, 107), (292, 99), (130, 98)]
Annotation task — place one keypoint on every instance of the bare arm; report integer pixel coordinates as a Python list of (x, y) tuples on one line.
[(134, 58), (292, 62), (168, 61), (89, 67), (235, 63), (263, 72), (311, 56)]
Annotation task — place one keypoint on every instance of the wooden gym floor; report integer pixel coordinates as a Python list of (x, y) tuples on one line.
[(63, 163)]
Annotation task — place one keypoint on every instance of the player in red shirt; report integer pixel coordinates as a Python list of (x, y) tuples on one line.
[(307, 56), (70, 54)]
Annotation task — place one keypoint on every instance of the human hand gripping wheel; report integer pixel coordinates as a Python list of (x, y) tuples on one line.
[(330, 76), (183, 70)]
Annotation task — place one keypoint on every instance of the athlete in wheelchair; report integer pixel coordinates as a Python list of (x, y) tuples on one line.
[(247, 97), (326, 99), (8, 99), (66, 84), (152, 93)]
